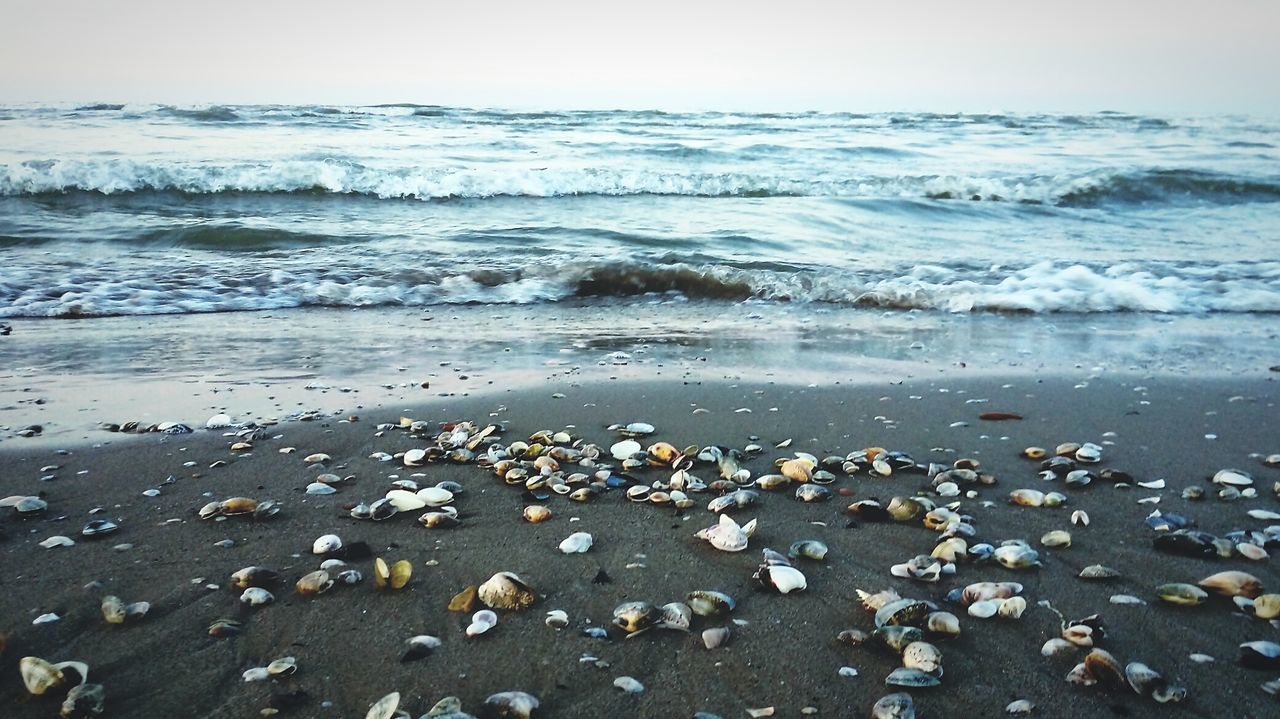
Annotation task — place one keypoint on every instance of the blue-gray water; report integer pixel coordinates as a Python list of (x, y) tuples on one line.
[(110, 209)]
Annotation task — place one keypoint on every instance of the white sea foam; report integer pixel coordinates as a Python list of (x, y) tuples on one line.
[(1040, 288)]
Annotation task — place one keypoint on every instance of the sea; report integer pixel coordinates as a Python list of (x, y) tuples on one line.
[(124, 209)]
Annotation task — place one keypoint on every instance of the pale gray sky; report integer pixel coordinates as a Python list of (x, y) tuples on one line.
[(1171, 56)]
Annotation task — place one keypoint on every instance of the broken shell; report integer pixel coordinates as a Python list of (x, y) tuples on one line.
[(1013, 607), (1099, 572), (943, 625), (1080, 518), (1266, 606), (898, 637), (84, 700), (1017, 556), (1233, 477), (39, 676), (785, 579), (1020, 706), (635, 617), (1260, 655), (254, 577), (505, 590), (1104, 668), (1056, 646), (464, 601), (557, 619), (113, 609), (99, 528), (385, 708), (628, 685), (405, 501)]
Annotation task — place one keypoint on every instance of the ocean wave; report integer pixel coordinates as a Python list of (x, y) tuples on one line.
[(1090, 190), (212, 113), (1045, 287)]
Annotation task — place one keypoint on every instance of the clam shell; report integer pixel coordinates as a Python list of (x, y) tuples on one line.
[(405, 501), (894, 706), (923, 656), (512, 705), (535, 513), (435, 496), (39, 676), (706, 603), (384, 708), (908, 677), (113, 609), (576, 543), (505, 590), (1233, 583), (715, 637), (256, 596), (1181, 594), (316, 582), (481, 622), (624, 449), (326, 544)]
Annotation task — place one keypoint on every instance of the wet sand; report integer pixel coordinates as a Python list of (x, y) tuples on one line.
[(348, 641)]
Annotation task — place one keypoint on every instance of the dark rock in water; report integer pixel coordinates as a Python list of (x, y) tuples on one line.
[(1187, 543), (5, 330)]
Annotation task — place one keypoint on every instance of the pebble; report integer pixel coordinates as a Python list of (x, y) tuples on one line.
[(848, 672)]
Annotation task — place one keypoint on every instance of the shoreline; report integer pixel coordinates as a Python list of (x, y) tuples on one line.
[(347, 642)]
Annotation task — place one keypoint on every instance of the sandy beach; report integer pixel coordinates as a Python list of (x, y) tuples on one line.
[(783, 651)]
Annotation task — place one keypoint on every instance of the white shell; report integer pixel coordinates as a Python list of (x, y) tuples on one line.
[(316, 488), (256, 596), (628, 685), (435, 496), (624, 449), (316, 458), (1264, 514), (481, 622), (786, 579), (576, 543), (405, 501), (218, 421), (327, 544), (1013, 607), (257, 674), (1021, 706), (728, 536), (557, 619), (414, 457), (57, 540), (1232, 477), (986, 608)]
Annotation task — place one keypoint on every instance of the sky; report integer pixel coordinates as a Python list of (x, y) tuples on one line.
[(1162, 56)]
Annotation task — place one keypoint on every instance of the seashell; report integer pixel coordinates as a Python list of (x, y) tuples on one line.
[(675, 615), (1027, 497), (1260, 655), (635, 617), (282, 667), (465, 600), (1263, 514), (385, 708), (812, 493), (84, 700), (715, 637), (1035, 453), (505, 590), (1181, 594), (624, 449), (894, 706), (706, 603), (481, 622), (136, 610), (809, 549), (1017, 556), (39, 676), (1080, 635), (904, 509), (1098, 572), (1013, 607), (1266, 606), (1054, 499), (785, 579), (1142, 678), (986, 608), (535, 513), (1233, 478), (254, 577), (902, 611), (267, 509), (1089, 453), (1248, 550), (1056, 538), (1125, 599), (99, 528), (326, 544), (1080, 518), (113, 609), (256, 596), (727, 535), (944, 625), (952, 549), (1105, 669), (1056, 646), (576, 543), (923, 656), (1019, 706), (317, 458), (435, 496), (1080, 675), (628, 685), (512, 705), (414, 457), (320, 489), (897, 636), (979, 591), (557, 619), (797, 470), (210, 510), (1233, 583), (908, 677), (873, 602), (317, 582), (405, 501)]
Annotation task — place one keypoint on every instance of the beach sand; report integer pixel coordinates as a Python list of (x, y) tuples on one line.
[(348, 641)]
